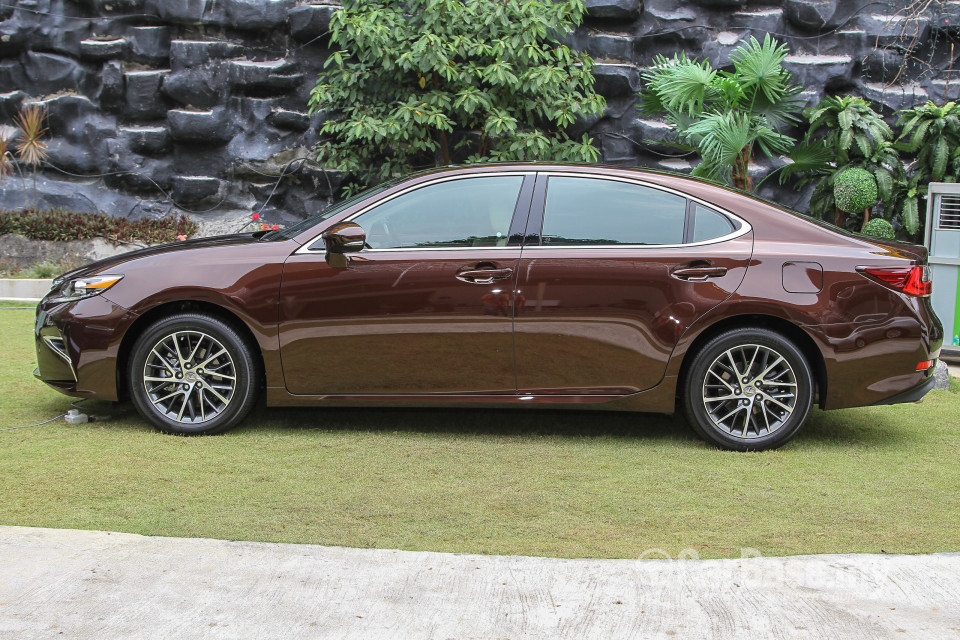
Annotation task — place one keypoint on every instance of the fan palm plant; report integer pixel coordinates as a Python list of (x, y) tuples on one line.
[(726, 115), (31, 149)]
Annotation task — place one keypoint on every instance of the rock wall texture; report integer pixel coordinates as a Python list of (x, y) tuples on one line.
[(158, 106)]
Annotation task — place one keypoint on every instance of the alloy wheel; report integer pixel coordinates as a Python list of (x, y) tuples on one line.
[(749, 391), (189, 377)]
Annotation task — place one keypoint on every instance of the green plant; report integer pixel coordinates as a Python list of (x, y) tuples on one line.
[(854, 189), (58, 224), (9, 269), (420, 82), (52, 269), (5, 156), (848, 126), (845, 132), (31, 149), (726, 115), (933, 133), (879, 228)]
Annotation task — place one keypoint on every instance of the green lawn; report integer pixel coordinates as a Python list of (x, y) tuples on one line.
[(569, 484)]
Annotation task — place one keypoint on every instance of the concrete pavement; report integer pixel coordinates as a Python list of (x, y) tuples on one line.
[(90, 584)]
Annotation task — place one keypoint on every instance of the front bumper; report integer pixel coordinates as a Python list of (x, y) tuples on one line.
[(78, 344)]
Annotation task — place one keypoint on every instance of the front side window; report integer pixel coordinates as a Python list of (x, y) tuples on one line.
[(468, 212), (589, 211)]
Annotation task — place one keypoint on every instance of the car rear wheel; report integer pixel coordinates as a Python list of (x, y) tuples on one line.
[(193, 374), (748, 389)]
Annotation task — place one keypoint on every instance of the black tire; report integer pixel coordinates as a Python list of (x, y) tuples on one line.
[(193, 374), (727, 402)]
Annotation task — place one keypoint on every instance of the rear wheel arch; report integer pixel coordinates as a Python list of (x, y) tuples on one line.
[(800, 338), (150, 317)]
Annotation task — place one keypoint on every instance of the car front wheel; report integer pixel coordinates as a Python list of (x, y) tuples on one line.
[(193, 374), (748, 389)]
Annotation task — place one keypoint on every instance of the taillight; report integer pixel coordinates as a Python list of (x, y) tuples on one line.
[(913, 281)]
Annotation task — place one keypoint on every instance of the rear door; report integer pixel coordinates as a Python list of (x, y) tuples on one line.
[(618, 271)]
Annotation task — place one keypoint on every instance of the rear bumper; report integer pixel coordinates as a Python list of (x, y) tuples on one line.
[(914, 394)]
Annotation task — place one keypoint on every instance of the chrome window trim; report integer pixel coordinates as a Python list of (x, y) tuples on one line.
[(745, 226), (304, 248)]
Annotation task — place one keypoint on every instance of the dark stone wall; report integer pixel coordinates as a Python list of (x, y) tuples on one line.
[(164, 105)]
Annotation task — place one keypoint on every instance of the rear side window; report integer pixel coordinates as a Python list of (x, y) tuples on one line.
[(589, 211), (709, 224)]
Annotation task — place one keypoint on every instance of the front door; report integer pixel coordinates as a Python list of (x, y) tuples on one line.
[(426, 309)]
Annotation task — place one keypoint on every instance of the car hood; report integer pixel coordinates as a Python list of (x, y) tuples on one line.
[(198, 243)]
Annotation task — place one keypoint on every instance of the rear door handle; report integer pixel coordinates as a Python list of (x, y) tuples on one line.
[(698, 274), (483, 276)]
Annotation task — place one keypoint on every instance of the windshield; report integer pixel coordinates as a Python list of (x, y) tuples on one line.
[(295, 230)]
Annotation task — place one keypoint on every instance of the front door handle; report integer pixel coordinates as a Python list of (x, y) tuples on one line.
[(698, 274), (483, 276)]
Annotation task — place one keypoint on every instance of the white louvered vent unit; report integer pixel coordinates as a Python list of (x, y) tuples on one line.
[(948, 213), (943, 241)]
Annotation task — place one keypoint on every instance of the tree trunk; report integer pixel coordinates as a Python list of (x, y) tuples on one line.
[(866, 218), (444, 146), (741, 169), (840, 219)]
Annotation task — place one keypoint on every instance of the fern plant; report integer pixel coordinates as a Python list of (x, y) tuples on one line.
[(726, 115), (845, 132)]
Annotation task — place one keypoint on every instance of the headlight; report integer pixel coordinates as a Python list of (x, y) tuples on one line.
[(77, 288)]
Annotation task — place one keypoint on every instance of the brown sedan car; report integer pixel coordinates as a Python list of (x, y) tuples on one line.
[(508, 285)]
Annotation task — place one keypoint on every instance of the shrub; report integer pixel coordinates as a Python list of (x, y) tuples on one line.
[(57, 224), (855, 189), (879, 228)]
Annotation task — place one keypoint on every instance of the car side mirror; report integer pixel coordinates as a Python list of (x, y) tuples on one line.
[(344, 238)]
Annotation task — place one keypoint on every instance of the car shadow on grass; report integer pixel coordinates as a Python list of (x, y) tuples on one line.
[(844, 428), (509, 422), (855, 428)]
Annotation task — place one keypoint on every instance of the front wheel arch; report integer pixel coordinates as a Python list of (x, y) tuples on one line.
[(154, 315)]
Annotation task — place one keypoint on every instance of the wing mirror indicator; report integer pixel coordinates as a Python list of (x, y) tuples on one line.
[(344, 238)]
